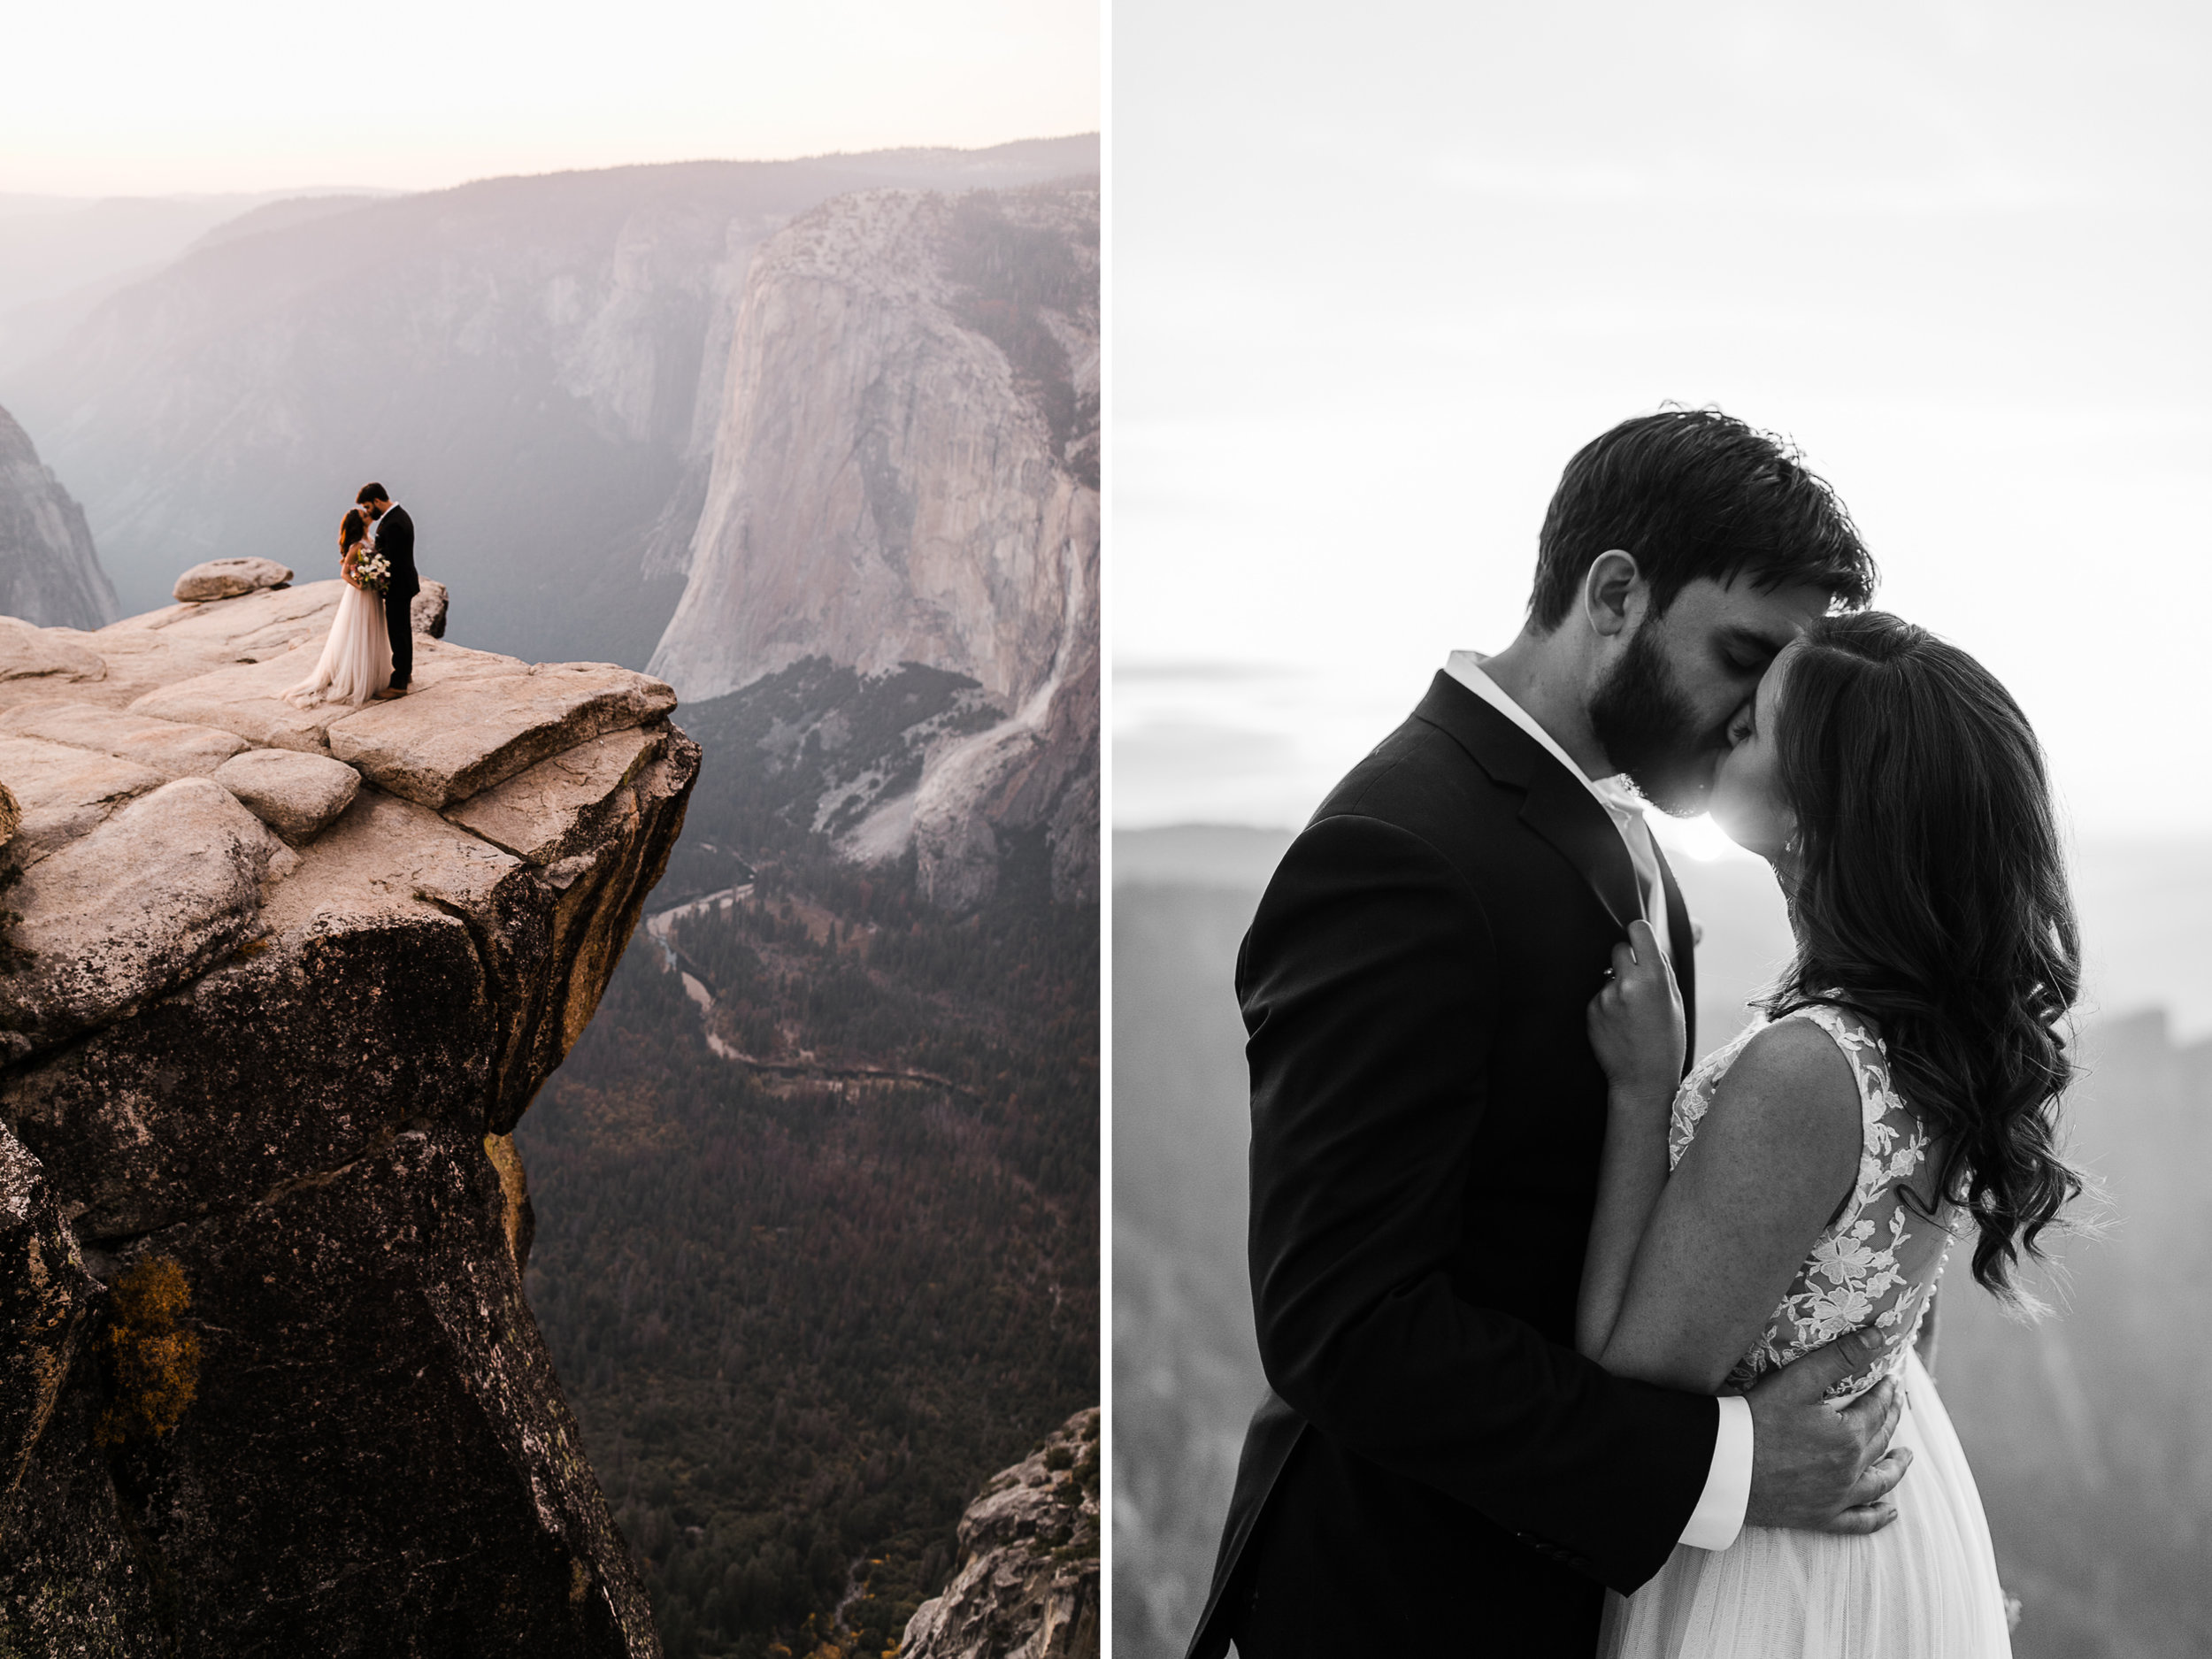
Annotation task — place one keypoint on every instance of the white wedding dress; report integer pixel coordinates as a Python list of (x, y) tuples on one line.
[(357, 659), (1925, 1586)]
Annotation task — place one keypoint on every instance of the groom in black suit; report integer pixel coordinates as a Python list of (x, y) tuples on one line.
[(1435, 1469), (396, 540)]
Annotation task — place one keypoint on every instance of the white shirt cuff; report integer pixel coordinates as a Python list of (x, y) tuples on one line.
[(1718, 1516)]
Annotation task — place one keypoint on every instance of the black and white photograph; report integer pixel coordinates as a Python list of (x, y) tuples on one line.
[(1661, 842)]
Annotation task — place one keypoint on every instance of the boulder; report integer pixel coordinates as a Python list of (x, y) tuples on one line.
[(1028, 1584), (427, 611), (448, 740), (158, 892), (11, 814), (173, 749), (227, 579), (298, 795)]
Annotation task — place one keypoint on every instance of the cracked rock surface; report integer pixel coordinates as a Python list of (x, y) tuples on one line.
[(292, 977)]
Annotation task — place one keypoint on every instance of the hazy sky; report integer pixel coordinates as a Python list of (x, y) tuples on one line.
[(1378, 270), (133, 97)]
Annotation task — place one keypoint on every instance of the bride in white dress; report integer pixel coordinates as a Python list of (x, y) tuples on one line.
[(357, 659), (1807, 1181)]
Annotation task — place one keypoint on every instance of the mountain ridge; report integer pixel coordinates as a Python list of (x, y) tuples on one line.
[(534, 363)]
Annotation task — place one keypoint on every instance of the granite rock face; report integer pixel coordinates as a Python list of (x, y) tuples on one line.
[(1027, 1583), (173, 749), (44, 1296), (267, 1023), (49, 573), (905, 471)]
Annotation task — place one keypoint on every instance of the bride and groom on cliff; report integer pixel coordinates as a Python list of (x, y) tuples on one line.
[(369, 651), (1578, 1345)]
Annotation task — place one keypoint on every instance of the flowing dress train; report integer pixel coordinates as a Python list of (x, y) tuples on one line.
[(357, 659), (1925, 1586)]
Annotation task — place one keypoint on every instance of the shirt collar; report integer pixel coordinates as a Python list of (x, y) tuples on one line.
[(1616, 794)]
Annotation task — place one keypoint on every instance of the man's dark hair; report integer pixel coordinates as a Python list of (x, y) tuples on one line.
[(369, 493), (1694, 492)]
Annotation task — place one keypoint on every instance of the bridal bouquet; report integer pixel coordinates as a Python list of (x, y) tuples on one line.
[(373, 570)]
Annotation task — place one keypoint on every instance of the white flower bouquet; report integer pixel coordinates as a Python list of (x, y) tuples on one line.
[(372, 571)]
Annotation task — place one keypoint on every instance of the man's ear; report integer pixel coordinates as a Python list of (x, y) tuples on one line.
[(1612, 588)]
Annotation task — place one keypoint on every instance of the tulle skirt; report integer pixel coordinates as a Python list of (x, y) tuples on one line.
[(357, 659), (1923, 1588)]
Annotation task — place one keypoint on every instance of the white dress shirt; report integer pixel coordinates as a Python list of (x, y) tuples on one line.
[(1719, 1514)]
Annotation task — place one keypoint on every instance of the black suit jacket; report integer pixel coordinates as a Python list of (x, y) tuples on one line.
[(396, 540), (1435, 1469)]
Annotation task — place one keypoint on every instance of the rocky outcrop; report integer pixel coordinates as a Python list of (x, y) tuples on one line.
[(905, 472), (426, 610), (1027, 1583), (49, 573), (279, 988)]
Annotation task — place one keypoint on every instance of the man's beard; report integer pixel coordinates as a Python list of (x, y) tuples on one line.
[(1649, 731)]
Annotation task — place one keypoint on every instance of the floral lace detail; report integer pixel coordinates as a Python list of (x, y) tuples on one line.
[(1876, 1264)]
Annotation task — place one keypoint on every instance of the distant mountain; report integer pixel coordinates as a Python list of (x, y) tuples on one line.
[(533, 365), (49, 572), (2086, 1433), (61, 256), (283, 214), (50, 244)]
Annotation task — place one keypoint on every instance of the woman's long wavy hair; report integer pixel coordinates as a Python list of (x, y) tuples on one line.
[(1931, 898), (352, 528)]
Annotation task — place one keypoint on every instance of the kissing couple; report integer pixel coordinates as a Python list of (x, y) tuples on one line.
[(369, 651), (1573, 1348)]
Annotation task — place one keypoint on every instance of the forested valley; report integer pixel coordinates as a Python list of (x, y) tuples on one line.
[(806, 1300)]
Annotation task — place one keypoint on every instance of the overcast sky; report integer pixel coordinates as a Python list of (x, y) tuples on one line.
[(140, 98), (1378, 270)]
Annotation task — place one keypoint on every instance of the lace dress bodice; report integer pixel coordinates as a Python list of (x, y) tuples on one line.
[(1876, 1264)]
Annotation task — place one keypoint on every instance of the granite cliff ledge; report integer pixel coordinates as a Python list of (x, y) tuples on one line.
[(278, 985)]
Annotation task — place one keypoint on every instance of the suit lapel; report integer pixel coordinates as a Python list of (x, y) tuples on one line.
[(1557, 806), (1685, 952), (1562, 811)]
